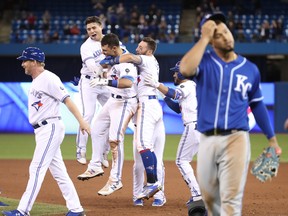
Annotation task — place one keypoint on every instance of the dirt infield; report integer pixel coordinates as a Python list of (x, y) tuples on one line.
[(270, 198)]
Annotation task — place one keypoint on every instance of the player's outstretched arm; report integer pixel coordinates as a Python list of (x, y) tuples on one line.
[(130, 58), (84, 126)]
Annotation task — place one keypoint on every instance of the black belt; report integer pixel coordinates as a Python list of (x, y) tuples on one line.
[(88, 77), (152, 97), (120, 97), (43, 123), (221, 132)]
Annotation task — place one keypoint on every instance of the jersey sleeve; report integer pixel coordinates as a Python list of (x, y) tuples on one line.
[(127, 70), (57, 89)]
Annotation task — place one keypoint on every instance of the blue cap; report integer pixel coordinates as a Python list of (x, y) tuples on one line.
[(216, 16), (32, 53), (176, 69)]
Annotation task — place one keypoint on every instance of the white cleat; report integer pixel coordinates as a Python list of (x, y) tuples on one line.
[(105, 161), (110, 188), (90, 173), (81, 157)]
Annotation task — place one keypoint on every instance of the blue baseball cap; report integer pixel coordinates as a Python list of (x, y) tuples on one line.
[(177, 69), (216, 16), (32, 53)]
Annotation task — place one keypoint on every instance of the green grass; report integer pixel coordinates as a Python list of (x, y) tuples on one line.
[(39, 209), (21, 146)]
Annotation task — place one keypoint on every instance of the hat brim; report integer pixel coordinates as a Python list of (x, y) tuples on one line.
[(218, 16), (22, 58)]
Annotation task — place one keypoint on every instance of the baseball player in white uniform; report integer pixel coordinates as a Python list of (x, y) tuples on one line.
[(44, 98), (149, 121), (91, 54), (184, 102), (115, 114)]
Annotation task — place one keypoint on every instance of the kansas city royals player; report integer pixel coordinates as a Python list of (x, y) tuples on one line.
[(115, 114), (91, 54), (149, 120), (227, 83), (184, 102), (44, 98)]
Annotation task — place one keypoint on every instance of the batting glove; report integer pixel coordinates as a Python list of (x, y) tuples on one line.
[(151, 81), (75, 81), (109, 60), (98, 82)]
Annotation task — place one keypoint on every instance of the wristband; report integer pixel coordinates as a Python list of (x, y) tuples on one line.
[(113, 83), (170, 93)]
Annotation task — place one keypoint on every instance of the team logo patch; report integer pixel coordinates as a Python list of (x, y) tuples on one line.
[(127, 70), (37, 105), (182, 86)]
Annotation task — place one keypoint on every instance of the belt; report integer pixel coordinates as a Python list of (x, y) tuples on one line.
[(152, 97), (194, 123), (89, 77), (221, 132), (44, 122), (121, 97)]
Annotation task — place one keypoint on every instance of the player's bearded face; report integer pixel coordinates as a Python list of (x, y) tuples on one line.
[(223, 39)]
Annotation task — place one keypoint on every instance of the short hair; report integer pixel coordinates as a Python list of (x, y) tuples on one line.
[(93, 19), (110, 40), (152, 45)]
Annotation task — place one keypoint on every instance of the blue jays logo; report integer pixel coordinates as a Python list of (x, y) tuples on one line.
[(241, 86), (37, 105)]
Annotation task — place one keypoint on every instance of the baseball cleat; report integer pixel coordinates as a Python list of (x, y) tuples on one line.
[(14, 213), (110, 188), (90, 173), (81, 157), (76, 213), (159, 202), (149, 190), (138, 202)]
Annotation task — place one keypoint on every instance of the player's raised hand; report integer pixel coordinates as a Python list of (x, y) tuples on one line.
[(98, 82), (151, 81), (109, 60)]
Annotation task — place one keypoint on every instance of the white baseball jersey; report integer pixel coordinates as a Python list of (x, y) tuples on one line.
[(119, 71), (149, 65), (186, 95), (44, 98), (91, 55)]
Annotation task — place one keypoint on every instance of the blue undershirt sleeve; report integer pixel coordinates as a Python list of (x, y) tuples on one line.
[(172, 104), (262, 118)]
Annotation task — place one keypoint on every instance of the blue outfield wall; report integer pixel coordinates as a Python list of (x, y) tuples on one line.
[(163, 48), (14, 112)]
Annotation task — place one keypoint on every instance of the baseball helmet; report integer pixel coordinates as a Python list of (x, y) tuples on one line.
[(216, 16), (177, 69), (32, 53)]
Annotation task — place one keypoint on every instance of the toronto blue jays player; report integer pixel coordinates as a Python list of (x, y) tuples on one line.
[(227, 83), (115, 114), (184, 102), (44, 99), (149, 118), (92, 99)]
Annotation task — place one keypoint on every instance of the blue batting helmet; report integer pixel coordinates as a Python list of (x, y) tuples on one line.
[(32, 53), (176, 69), (216, 16)]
